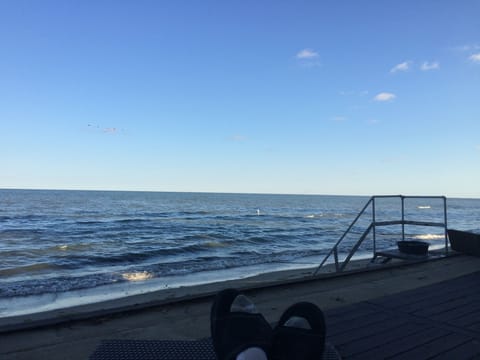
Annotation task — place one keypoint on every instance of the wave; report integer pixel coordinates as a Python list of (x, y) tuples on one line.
[(90, 222), (215, 244), (27, 269), (207, 263), (29, 217), (143, 254), (429, 236)]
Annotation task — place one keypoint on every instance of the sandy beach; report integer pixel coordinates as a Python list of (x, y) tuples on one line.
[(184, 313)]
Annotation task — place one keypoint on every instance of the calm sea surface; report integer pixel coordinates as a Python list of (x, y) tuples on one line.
[(61, 241)]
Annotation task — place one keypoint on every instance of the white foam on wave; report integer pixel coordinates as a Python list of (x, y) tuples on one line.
[(137, 276), (429, 236)]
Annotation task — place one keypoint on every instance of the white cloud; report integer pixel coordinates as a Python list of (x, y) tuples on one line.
[(404, 66), (339, 118), (475, 58), (384, 96), (307, 54), (468, 47), (426, 66)]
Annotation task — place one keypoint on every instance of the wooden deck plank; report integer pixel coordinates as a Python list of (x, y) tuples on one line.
[(453, 314), (462, 301), (401, 344), (357, 323), (430, 293), (368, 331), (366, 345), (413, 301), (467, 321), (476, 327), (434, 348), (351, 310), (469, 350), (443, 322)]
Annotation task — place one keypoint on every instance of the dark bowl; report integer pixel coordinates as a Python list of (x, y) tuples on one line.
[(413, 247)]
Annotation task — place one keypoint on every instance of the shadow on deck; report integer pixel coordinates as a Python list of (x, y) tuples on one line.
[(440, 321)]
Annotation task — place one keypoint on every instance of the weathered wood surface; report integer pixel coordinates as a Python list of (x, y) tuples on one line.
[(440, 321)]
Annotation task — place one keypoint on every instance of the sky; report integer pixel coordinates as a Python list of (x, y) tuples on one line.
[(360, 97)]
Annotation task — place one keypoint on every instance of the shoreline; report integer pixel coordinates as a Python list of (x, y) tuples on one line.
[(112, 305), (23, 305)]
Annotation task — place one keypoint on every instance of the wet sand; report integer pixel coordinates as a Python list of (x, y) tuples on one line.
[(184, 313)]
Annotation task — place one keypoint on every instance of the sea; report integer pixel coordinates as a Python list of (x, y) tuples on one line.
[(64, 248)]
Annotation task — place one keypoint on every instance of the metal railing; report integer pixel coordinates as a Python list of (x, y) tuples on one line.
[(372, 227)]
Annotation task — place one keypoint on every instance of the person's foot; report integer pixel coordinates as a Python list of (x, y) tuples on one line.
[(236, 326), (300, 333)]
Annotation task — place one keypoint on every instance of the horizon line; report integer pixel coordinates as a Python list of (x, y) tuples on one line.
[(236, 193)]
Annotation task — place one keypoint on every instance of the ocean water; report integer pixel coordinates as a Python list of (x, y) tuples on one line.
[(59, 242)]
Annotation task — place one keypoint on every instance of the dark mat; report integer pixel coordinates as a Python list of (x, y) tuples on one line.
[(168, 350), (154, 349)]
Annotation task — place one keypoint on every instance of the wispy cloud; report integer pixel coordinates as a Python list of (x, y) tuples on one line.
[(308, 58), (475, 58), (353, 92), (473, 49), (339, 118), (238, 138), (403, 67), (373, 121), (384, 96), (407, 66), (104, 130), (110, 130), (307, 54), (427, 66), (468, 47)]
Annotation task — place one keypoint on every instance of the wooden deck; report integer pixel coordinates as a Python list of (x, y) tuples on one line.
[(440, 321)]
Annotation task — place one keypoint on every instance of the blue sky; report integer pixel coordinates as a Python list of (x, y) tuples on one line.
[(308, 97)]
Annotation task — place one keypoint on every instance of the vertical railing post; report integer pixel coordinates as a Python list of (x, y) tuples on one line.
[(335, 256), (445, 223), (374, 227), (403, 218)]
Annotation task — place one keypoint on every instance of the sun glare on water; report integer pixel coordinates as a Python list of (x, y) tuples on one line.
[(137, 276)]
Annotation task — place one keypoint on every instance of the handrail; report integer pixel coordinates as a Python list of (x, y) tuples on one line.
[(373, 224), (334, 248)]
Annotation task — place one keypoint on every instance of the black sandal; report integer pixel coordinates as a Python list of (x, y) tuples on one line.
[(235, 331), (290, 342)]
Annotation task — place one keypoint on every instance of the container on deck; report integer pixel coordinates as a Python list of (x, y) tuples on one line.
[(413, 247)]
